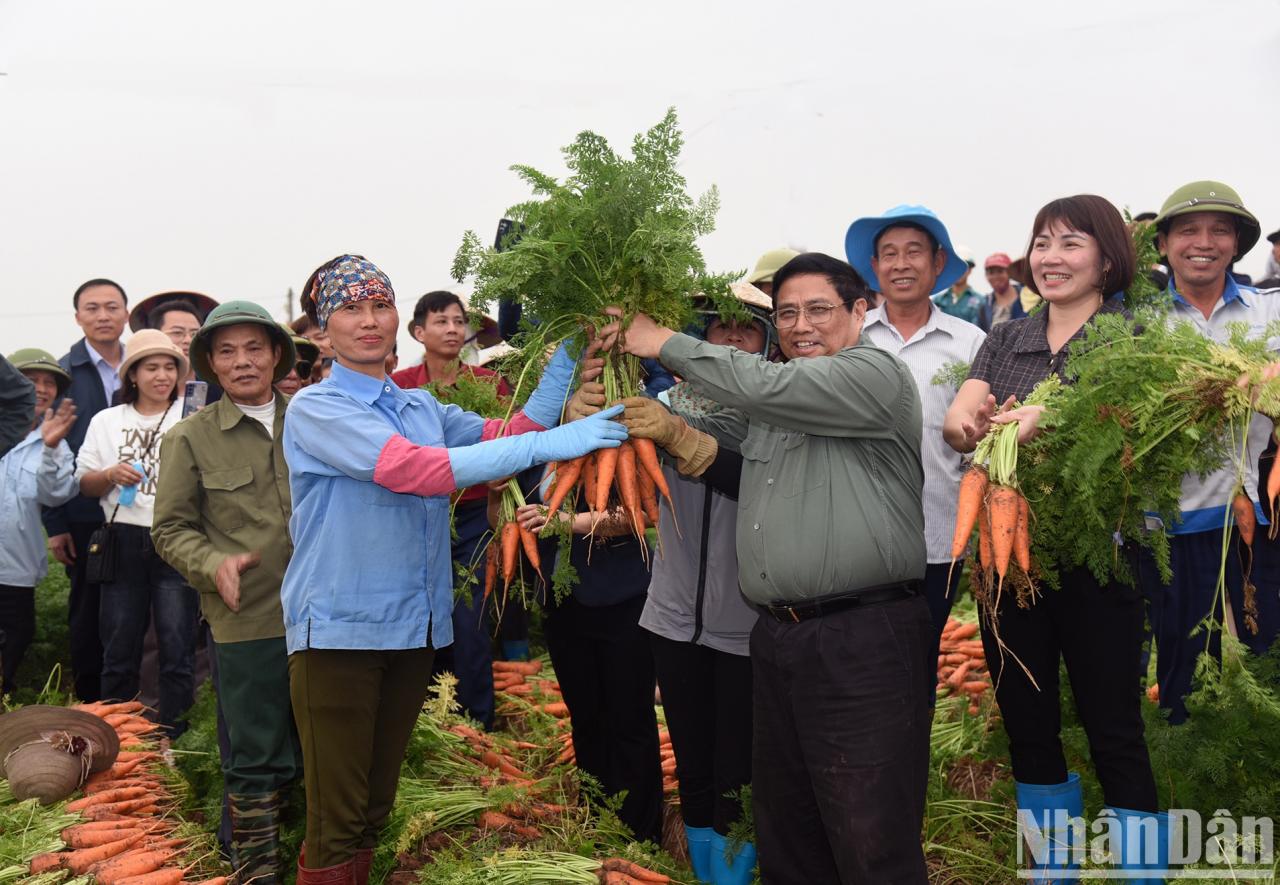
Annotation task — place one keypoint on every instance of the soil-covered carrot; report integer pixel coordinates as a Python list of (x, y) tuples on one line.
[(1022, 536), (106, 797), (1246, 519), (567, 475), (647, 458), (115, 772), (648, 491), (131, 863), (985, 559), (590, 479), (635, 871), (972, 487), (46, 862), (79, 861), (527, 668), (94, 838), (163, 876), (606, 469), (490, 568), (629, 486), (1003, 507), (529, 542), (510, 551), (502, 764)]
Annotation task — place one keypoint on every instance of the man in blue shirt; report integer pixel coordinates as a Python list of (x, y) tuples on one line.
[(92, 363), (1202, 228), (961, 300)]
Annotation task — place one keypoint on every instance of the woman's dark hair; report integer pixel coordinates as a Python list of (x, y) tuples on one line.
[(1097, 217), (75, 299), (842, 277), (155, 319), (434, 302), (129, 384), (301, 325)]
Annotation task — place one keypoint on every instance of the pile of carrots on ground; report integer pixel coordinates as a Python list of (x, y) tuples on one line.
[(633, 468), (962, 664), (126, 838)]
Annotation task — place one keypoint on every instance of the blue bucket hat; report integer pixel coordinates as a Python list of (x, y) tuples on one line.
[(860, 243)]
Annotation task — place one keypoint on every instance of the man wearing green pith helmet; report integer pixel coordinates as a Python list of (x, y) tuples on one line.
[(1202, 229), (222, 518)]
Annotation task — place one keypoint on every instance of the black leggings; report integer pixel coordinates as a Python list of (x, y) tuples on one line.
[(1097, 630), (706, 695)]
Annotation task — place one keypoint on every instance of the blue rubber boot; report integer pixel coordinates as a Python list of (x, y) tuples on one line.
[(1040, 809), (1148, 831), (515, 649), (700, 851), (738, 869)]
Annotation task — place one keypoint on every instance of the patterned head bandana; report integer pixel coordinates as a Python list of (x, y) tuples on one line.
[(347, 279)]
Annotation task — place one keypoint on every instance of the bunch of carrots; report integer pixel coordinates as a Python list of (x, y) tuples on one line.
[(962, 663), (126, 838), (505, 545), (631, 475)]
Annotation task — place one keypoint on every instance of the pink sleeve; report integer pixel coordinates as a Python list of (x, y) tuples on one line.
[(414, 470), (519, 423)]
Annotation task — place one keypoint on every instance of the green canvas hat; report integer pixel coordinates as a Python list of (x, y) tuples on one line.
[(1212, 196), (235, 313), (32, 358)]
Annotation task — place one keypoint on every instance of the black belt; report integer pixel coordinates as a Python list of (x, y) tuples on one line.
[(794, 612)]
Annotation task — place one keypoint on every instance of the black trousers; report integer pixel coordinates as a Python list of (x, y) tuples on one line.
[(706, 695), (841, 745), (602, 660), (18, 626), (82, 619), (1097, 631)]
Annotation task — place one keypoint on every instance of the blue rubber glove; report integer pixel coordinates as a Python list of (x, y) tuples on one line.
[(549, 396), (497, 458)]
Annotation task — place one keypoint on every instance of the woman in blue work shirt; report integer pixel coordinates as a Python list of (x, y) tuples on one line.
[(369, 591)]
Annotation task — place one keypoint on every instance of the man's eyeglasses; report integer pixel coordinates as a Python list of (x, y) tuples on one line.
[(818, 314)]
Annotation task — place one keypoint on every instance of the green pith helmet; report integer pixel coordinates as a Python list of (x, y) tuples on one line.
[(768, 264), (234, 313), (1211, 196), (35, 359)]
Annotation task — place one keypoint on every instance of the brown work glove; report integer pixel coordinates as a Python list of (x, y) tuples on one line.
[(586, 400), (647, 419)]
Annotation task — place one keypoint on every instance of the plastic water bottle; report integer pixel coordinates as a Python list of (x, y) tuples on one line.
[(129, 493)]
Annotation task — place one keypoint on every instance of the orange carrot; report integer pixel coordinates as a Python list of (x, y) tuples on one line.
[(163, 876), (216, 880), (613, 877), (94, 838), (115, 772), (1022, 536), (648, 492), (957, 677), (567, 475), (974, 687), (529, 542), (972, 487), (1246, 519), (628, 486), (78, 862), (128, 864), (1003, 507), (647, 458), (43, 863), (527, 668), (963, 631), (490, 568), (606, 468), (559, 710), (502, 764), (494, 820), (106, 825), (635, 871), (107, 796), (984, 539), (510, 552)]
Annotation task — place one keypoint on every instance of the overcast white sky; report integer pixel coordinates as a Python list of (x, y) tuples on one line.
[(231, 147)]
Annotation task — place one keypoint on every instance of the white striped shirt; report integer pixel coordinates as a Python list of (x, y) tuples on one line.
[(944, 339)]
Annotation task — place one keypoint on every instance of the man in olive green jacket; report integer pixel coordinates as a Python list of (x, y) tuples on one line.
[(222, 519)]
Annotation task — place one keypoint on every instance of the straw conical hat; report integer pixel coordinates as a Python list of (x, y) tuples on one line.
[(37, 722)]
